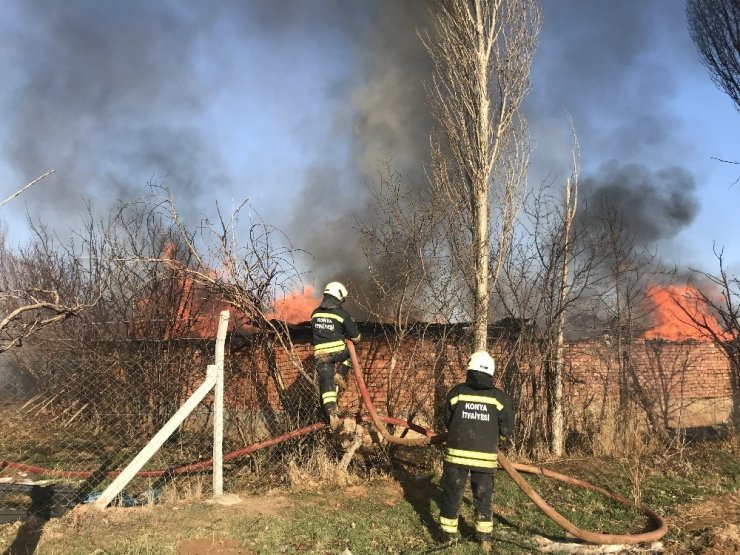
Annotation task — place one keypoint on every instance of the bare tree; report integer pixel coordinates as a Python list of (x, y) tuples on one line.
[(718, 297), (630, 268), (554, 267), (715, 29), (570, 205), (41, 283), (482, 52), (130, 361), (409, 292), (31, 282)]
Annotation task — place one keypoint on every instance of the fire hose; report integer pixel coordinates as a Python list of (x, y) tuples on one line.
[(513, 469), (429, 437), (185, 469)]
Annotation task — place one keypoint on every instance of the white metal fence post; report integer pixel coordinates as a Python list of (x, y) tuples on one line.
[(156, 442), (218, 407), (214, 380)]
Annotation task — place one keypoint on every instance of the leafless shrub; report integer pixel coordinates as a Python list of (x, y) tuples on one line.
[(718, 296), (41, 283), (126, 364)]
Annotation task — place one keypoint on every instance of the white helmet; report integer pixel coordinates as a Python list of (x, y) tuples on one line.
[(482, 362), (336, 290)]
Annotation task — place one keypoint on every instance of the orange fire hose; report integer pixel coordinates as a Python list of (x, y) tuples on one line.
[(428, 437), (513, 469)]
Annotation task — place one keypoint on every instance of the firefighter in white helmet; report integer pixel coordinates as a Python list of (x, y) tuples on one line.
[(331, 325), (476, 414)]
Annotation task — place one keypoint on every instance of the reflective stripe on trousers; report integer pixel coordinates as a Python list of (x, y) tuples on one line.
[(484, 526), (328, 397), (453, 484), (448, 525), (327, 389)]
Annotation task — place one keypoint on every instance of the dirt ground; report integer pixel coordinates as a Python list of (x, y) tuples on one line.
[(710, 527), (199, 519), (714, 523)]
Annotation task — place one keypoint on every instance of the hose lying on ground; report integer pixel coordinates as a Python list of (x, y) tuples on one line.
[(428, 437), (188, 468), (512, 470)]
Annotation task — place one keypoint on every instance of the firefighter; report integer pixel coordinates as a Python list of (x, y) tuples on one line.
[(476, 413), (331, 324)]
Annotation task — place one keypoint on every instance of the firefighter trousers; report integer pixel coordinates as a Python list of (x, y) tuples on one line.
[(327, 387), (453, 486)]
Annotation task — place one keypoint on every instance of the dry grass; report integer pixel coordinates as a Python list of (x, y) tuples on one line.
[(319, 512), (319, 469)]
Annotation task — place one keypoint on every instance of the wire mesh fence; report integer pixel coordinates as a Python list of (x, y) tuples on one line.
[(79, 401), (79, 407)]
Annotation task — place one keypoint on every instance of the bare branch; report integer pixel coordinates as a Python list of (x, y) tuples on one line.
[(39, 178)]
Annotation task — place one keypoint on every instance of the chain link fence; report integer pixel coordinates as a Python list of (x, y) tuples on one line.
[(80, 401), (78, 405)]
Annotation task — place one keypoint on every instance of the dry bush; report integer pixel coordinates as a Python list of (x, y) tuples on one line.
[(321, 466), (190, 488)]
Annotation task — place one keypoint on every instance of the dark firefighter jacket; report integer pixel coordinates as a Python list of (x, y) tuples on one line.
[(331, 324), (476, 413)]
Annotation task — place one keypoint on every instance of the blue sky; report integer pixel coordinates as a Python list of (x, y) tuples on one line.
[(295, 104)]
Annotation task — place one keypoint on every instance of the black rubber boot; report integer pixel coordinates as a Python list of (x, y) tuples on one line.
[(445, 538)]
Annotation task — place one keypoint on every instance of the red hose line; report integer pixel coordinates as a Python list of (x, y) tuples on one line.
[(389, 437), (406, 424), (157, 473), (511, 469)]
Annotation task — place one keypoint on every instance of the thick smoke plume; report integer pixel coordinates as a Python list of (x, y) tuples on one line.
[(114, 94), (652, 205), (602, 65), (389, 124), (105, 95)]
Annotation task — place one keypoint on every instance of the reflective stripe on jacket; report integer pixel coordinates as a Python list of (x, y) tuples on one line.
[(331, 324), (476, 413)]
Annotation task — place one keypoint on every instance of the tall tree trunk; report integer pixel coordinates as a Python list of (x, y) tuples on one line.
[(482, 52), (482, 254), (558, 417)]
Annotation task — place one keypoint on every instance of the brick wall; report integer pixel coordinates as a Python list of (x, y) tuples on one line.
[(687, 382)]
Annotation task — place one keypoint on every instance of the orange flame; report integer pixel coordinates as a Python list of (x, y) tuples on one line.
[(190, 313), (196, 314), (296, 307), (675, 306)]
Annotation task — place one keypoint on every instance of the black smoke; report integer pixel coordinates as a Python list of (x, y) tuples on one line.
[(651, 205), (609, 65), (106, 96), (389, 124), (114, 94)]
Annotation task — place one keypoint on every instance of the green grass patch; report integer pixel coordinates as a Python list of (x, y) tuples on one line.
[(388, 515)]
